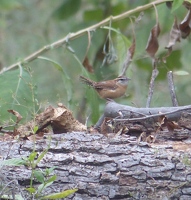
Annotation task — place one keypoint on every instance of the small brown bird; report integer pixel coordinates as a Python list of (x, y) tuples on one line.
[(110, 89)]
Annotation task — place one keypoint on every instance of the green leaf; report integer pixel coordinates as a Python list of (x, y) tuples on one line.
[(176, 62), (17, 93), (123, 45), (32, 156), (31, 190), (60, 194), (66, 79), (47, 185), (111, 28), (43, 186), (13, 162), (51, 179), (67, 9), (91, 96), (16, 197), (35, 129), (124, 38), (93, 15), (49, 170), (181, 73), (176, 4), (40, 188), (40, 157), (9, 5), (94, 103), (39, 175), (56, 64)]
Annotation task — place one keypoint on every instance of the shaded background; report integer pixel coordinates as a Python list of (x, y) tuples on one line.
[(26, 26)]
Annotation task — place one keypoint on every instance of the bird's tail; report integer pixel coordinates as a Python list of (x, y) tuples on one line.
[(87, 81)]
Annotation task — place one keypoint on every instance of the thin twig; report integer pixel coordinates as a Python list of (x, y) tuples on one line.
[(89, 44), (139, 113), (77, 34), (151, 87), (130, 53), (152, 116), (172, 89)]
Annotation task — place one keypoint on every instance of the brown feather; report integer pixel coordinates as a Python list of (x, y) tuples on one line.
[(87, 81), (111, 85)]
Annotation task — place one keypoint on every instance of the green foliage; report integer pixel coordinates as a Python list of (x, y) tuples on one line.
[(16, 197), (93, 15), (45, 177), (60, 194), (17, 92), (9, 5), (67, 9), (35, 129), (176, 4), (13, 162), (66, 79)]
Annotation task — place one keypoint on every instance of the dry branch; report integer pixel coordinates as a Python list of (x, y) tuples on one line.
[(172, 89), (151, 86), (128, 113)]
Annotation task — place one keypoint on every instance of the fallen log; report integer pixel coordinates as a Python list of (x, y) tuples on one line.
[(104, 168), (116, 167)]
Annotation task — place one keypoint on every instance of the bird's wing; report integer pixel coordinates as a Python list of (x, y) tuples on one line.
[(105, 85)]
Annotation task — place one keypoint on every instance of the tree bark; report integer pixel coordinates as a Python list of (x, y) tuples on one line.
[(105, 168)]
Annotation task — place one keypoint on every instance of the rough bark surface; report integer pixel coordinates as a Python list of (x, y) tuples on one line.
[(106, 168)]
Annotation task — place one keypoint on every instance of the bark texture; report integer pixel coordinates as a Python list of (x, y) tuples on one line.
[(105, 168)]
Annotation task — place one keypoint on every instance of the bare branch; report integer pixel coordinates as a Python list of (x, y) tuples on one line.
[(172, 89), (151, 87), (113, 109)]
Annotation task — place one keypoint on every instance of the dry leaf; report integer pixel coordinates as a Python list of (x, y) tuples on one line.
[(161, 119), (152, 44), (87, 65), (106, 126), (172, 125), (129, 57), (131, 50), (36, 137), (150, 139), (63, 121), (93, 129), (187, 5), (174, 35), (18, 116), (185, 25), (123, 130), (142, 137), (139, 18)]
